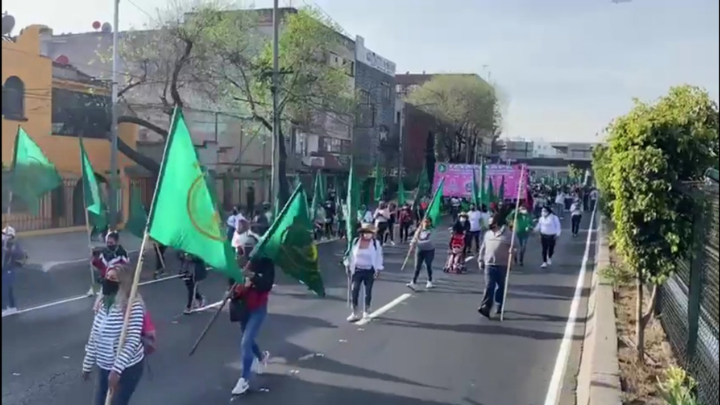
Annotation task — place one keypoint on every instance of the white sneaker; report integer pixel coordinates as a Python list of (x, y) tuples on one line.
[(91, 292), (241, 387), (544, 265), (411, 285), (549, 262), (366, 314), (353, 317), (392, 243), (259, 366), (429, 284)]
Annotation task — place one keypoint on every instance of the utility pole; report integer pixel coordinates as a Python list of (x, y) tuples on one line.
[(274, 181), (113, 205)]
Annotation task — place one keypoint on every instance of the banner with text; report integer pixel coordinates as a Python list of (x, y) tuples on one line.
[(458, 178)]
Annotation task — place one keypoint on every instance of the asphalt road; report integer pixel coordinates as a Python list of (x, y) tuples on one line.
[(431, 348)]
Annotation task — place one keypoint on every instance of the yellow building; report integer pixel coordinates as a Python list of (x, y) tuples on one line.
[(55, 103)]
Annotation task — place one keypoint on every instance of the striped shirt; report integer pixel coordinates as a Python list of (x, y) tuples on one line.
[(102, 345)]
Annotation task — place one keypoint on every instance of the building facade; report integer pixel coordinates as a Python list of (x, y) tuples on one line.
[(376, 137), (55, 104)]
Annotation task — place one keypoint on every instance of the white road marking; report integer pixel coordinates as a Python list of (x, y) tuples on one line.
[(79, 297), (51, 265), (467, 259), (558, 375), (383, 309)]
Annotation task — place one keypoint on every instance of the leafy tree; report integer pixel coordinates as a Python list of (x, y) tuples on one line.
[(575, 173), (650, 152), (467, 110), (310, 87)]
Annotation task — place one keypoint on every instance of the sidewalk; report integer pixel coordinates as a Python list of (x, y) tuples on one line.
[(51, 251)]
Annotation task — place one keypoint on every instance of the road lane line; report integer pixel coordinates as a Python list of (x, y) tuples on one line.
[(78, 298), (383, 309), (558, 375)]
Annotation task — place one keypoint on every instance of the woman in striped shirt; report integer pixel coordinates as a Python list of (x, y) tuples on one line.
[(118, 371)]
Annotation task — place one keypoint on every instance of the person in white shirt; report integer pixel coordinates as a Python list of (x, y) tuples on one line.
[(575, 216), (549, 228), (476, 225), (363, 265), (455, 208), (382, 221), (593, 199), (560, 203), (231, 223), (365, 216)]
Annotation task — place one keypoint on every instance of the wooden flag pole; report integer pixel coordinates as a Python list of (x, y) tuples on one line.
[(512, 245), (131, 299), (211, 321)]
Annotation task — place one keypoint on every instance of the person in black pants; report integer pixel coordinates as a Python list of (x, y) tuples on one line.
[(193, 271), (405, 217), (424, 254), (549, 228)]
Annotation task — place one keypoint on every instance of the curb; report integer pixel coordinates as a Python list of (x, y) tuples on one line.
[(599, 376)]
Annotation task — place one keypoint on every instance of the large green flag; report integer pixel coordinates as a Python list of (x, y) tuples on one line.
[(32, 174), (137, 220), (379, 183), (289, 243), (323, 186), (501, 191), (433, 210), (184, 214), (401, 192), (97, 214), (491, 191), (476, 197), (352, 202)]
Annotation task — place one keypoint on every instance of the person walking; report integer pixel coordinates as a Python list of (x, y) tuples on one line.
[(392, 209), (13, 258), (405, 218), (363, 265), (248, 306), (475, 217), (193, 271), (522, 229), (494, 256), (576, 210), (382, 221), (560, 203), (424, 254), (118, 371), (549, 228)]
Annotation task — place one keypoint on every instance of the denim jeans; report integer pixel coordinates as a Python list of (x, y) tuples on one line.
[(364, 278), (248, 348), (129, 380), (426, 257), (8, 293), (575, 221), (522, 240), (494, 285)]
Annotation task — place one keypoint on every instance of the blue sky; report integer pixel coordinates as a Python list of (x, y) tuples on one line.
[(565, 67)]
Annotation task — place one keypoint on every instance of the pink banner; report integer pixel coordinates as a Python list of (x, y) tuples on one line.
[(458, 179)]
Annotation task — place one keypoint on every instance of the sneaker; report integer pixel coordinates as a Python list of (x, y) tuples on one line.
[(392, 243), (544, 265), (241, 387), (549, 262), (484, 312), (91, 292), (366, 314), (411, 285), (354, 317), (259, 366), (429, 284), (9, 311), (187, 311), (200, 303)]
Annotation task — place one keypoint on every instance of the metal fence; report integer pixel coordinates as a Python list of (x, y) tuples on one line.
[(688, 302), (61, 208)]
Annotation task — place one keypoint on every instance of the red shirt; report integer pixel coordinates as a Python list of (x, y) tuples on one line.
[(253, 298)]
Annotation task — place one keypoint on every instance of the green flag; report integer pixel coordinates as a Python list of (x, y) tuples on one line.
[(323, 186), (379, 183), (32, 174), (289, 243), (483, 189), (184, 214), (138, 217), (501, 191), (476, 197), (401, 192), (91, 192), (422, 188), (491, 191), (433, 210), (352, 202)]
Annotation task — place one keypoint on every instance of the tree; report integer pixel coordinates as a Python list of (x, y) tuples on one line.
[(650, 152), (467, 110), (575, 173), (310, 86)]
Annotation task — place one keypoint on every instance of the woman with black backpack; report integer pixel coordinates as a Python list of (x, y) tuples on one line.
[(248, 306)]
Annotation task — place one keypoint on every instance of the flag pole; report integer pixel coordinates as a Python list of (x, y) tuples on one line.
[(413, 241), (512, 245), (88, 229), (131, 299)]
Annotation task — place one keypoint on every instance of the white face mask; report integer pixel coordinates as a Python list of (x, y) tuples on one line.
[(367, 236), (545, 213), (462, 220), (523, 211)]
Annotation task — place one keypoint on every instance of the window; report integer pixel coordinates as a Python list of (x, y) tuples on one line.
[(334, 145), (80, 114), (301, 144), (398, 117), (364, 96), (386, 91), (13, 99), (350, 68)]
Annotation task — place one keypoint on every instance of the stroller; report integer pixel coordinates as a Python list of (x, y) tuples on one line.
[(456, 259)]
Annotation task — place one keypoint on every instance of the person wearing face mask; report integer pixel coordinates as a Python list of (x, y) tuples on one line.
[(405, 217), (575, 217), (464, 226), (494, 258), (522, 229), (13, 258), (475, 218), (118, 371), (382, 221), (363, 265), (549, 228), (112, 255), (424, 254)]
